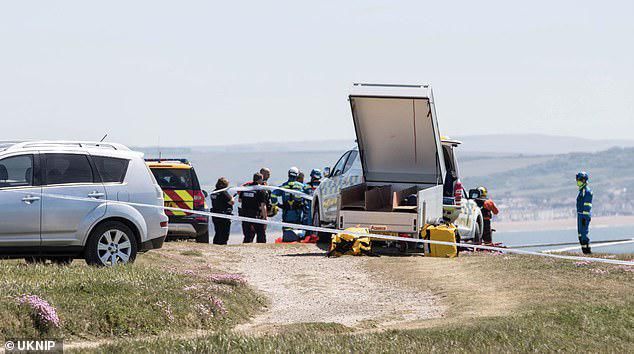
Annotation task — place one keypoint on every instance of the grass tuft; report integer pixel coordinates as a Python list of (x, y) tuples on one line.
[(129, 300)]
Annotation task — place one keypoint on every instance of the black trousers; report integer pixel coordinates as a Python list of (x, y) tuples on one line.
[(486, 232), (222, 227), (250, 230)]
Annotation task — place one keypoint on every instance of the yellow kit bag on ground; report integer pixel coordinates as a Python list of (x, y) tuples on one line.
[(349, 244), (445, 233)]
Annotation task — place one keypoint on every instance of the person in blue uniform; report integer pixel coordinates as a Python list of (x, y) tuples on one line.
[(292, 204), (584, 211)]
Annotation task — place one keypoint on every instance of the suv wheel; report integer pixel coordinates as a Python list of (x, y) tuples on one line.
[(109, 244)]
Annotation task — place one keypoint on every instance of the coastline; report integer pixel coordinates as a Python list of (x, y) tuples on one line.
[(561, 224)]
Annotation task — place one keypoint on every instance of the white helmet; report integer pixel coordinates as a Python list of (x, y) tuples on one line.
[(293, 172)]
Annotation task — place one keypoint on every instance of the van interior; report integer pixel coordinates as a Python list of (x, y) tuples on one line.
[(388, 198)]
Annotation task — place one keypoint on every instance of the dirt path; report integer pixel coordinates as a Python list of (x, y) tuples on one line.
[(305, 287)]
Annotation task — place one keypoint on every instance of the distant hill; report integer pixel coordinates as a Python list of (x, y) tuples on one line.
[(536, 144), (473, 145), (544, 188), (529, 178)]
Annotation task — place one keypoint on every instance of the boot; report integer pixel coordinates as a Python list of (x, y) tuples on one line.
[(586, 249)]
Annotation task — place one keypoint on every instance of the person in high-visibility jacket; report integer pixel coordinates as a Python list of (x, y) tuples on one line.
[(584, 211), (292, 204), (488, 208)]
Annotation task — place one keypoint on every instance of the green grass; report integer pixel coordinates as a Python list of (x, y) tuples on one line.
[(558, 306), (572, 329), (131, 300), (562, 307)]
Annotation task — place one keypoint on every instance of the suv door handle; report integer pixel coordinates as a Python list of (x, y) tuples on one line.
[(30, 199), (96, 195)]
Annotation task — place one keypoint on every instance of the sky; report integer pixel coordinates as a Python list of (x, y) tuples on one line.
[(229, 72)]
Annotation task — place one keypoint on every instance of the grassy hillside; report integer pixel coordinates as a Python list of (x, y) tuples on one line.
[(550, 184), (161, 293), (527, 186), (494, 303)]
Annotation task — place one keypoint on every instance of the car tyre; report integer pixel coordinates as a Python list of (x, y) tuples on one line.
[(110, 244)]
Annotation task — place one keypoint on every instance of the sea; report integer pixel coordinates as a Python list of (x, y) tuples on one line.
[(519, 238)]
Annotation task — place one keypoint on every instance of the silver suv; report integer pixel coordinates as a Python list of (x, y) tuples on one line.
[(58, 201)]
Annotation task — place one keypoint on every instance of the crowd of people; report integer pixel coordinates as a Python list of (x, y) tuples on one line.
[(263, 204)]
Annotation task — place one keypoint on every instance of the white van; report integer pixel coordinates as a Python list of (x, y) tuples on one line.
[(393, 182)]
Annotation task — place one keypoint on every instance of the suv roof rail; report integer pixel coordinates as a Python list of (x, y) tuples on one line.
[(81, 144), (185, 161), (390, 85)]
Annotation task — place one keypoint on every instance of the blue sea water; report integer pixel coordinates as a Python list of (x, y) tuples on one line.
[(602, 233)]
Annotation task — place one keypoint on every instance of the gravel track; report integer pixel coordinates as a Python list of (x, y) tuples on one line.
[(304, 286)]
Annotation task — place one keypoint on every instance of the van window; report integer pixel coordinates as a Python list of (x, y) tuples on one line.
[(175, 178), (111, 169), (351, 159), (67, 168), (449, 159), (16, 171), (338, 169)]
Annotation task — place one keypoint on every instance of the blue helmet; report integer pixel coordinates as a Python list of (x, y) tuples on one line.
[(583, 176), (316, 173)]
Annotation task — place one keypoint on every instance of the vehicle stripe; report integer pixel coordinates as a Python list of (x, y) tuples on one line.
[(184, 194)]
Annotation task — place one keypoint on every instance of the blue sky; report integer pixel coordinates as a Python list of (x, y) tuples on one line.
[(208, 73)]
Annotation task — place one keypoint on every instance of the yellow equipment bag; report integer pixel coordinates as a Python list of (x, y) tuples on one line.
[(351, 245), (445, 233)]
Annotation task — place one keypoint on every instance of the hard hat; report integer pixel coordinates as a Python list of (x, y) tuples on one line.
[(316, 173), (293, 172), (483, 192), (582, 176)]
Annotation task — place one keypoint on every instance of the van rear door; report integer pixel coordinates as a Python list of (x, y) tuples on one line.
[(397, 133)]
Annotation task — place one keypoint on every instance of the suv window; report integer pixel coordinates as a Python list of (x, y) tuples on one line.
[(111, 169), (338, 169), (16, 171), (67, 168)]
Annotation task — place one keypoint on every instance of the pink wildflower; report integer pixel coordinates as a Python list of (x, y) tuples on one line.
[(44, 313), (626, 268), (217, 305)]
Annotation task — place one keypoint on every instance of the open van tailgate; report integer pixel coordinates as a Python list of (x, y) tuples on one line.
[(397, 133)]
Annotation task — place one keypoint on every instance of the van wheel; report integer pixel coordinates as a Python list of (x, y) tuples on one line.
[(324, 237), (110, 244)]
